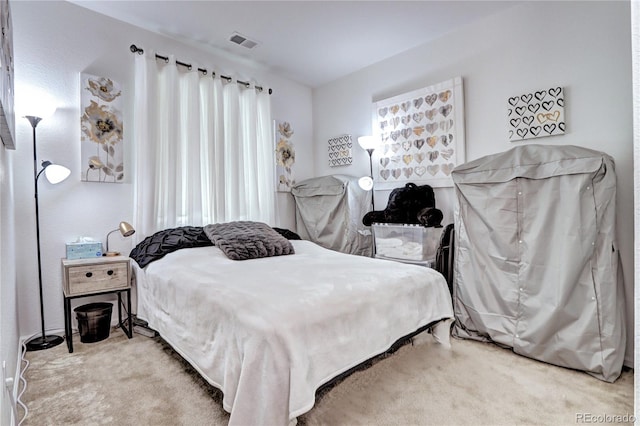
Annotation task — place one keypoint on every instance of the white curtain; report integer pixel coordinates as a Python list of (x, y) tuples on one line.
[(203, 149)]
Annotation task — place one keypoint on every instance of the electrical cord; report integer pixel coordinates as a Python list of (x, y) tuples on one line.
[(22, 380), (9, 390)]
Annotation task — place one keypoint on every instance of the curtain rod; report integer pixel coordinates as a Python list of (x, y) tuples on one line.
[(139, 51)]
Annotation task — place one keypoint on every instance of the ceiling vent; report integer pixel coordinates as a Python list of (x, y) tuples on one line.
[(243, 41)]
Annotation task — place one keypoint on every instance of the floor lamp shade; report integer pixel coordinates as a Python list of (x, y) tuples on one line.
[(55, 174), (367, 142), (366, 183)]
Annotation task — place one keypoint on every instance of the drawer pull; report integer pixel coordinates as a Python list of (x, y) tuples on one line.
[(110, 272), (89, 274)]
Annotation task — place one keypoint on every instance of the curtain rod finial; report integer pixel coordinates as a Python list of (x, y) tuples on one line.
[(136, 49)]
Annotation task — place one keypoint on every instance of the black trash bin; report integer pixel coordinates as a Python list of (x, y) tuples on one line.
[(94, 321)]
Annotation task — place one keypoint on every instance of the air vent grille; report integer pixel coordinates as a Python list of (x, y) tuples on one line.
[(243, 41)]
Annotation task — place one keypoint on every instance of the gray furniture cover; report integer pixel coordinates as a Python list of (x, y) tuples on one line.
[(329, 211), (536, 261)]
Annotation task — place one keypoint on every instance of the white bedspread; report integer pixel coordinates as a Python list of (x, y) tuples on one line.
[(268, 332)]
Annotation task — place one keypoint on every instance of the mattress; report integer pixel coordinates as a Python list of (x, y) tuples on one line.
[(268, 332)]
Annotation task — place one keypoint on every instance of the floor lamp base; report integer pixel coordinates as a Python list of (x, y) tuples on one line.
[(40, 343)]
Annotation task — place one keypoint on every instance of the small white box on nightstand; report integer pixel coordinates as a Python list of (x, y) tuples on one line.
[(84, 250)]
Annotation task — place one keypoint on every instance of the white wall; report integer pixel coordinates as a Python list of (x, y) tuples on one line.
[(635, 55), (293, 104), (583, 46), (54, 41), (8, 282)]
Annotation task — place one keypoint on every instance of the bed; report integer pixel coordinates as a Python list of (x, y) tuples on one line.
[(269, 331)]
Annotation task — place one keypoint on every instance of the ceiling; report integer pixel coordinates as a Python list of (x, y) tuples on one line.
[(311, 42)]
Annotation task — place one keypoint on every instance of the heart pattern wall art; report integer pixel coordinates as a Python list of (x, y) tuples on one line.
[(421, 134), (339, 151), (536, 114)]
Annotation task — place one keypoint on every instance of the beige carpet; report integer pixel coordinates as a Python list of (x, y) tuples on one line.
[(143, 382)]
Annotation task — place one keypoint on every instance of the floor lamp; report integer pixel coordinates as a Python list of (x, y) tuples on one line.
[(369, 144), (54, 174)]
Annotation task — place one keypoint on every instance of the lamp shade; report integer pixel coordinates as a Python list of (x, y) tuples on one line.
[(126, 229), (368, 142), (55, 173), (366, 183)]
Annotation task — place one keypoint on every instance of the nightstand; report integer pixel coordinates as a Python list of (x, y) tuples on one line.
[(94, 276)]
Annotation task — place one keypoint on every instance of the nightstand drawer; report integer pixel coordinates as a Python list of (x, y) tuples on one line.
[(95, 277)]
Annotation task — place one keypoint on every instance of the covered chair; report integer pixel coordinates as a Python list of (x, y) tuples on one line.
[(329, 211), (536, 259)]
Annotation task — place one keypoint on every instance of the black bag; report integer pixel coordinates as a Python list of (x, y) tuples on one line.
[(444, 255), (410, 204)]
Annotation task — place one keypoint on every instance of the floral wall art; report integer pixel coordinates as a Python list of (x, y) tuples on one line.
[(536, 114), (285, 156), (101, 130), (422, 136)]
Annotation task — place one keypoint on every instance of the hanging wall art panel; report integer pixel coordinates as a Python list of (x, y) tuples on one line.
[(7, 113), (536, 114), (339, 151), (101, 129), (285, 156), (422, 136)]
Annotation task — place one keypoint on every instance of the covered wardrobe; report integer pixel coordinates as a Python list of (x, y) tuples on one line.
[(329, 211), (536, 261)]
